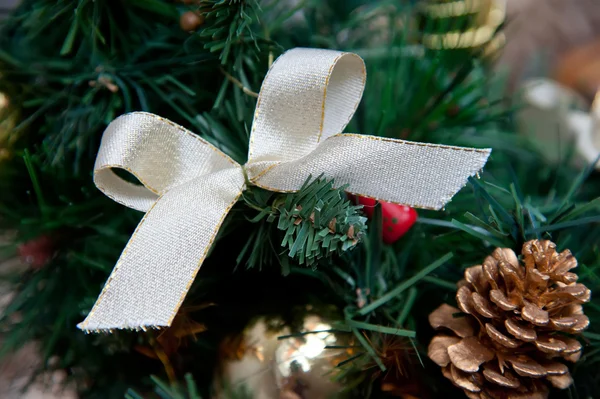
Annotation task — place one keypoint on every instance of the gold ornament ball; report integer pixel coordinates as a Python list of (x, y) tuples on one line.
[(9, 117), (298, 367), (190, 21), (488, 16)]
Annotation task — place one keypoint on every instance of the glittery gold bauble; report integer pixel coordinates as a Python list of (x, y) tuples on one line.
[(271, 362), (190, 21), (8, 121), (484, 16), (518, 324)]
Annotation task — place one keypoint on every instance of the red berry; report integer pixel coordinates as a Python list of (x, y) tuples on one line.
[(397, 219), (37, 252)]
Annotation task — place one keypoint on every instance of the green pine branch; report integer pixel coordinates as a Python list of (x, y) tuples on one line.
[(187, 389), (230, 25), (316, 223)]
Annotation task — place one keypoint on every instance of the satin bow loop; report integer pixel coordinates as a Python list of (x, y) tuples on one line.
[(188, 185)]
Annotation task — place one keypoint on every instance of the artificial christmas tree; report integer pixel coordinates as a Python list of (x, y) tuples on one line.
[(288, 243)]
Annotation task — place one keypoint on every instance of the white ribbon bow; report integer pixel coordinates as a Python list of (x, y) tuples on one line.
[(189, 186)]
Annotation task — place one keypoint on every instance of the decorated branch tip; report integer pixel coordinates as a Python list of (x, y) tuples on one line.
[(316, 222)]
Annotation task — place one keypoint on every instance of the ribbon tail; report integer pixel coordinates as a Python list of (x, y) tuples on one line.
[(417, 174), (162, 258)]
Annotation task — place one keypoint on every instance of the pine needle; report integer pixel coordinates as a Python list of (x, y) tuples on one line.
[(405, 285)]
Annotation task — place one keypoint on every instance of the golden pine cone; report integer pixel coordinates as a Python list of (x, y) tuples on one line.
[(514, 336)]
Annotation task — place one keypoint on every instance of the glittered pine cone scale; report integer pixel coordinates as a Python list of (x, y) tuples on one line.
[(515, 324)]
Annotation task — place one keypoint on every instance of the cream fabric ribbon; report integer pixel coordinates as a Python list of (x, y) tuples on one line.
[(189, 186)]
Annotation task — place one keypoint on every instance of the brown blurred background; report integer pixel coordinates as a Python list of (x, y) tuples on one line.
[(551, 38)]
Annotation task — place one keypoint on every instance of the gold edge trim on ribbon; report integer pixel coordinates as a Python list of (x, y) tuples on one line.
[(257, 109), (118, 201), (321, 124), (208, 247), (486, 151), (110, 166), (324, 100), (363, 72), (419, 206), (326, 84), (187, 132), (128, 169), (415, 143), (264, 171), (83, 324)]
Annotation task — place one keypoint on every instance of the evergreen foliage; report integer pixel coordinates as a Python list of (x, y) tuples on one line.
[(69, 67), (318, 222)]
